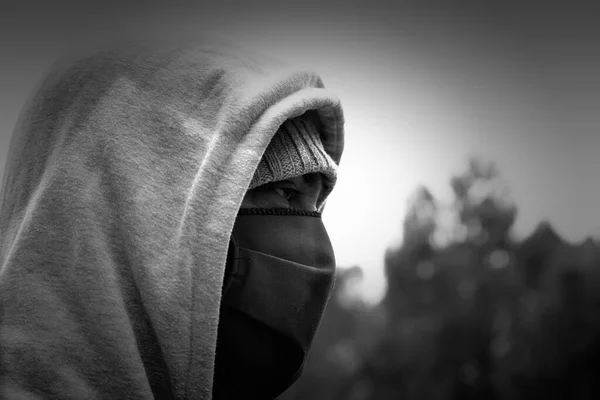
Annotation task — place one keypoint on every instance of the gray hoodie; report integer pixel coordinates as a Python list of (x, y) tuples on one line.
[(125, 173)]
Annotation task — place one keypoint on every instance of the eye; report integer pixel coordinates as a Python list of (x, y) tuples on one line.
[(286, 192)]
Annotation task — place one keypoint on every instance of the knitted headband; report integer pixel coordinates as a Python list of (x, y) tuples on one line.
[(295, 150)]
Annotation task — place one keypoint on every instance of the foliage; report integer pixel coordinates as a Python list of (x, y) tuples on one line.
[(480, 316)]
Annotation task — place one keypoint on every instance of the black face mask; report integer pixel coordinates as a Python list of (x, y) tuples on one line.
[(279, 274)]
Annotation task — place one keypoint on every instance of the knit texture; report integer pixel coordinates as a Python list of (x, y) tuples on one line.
[(295, 150), (122, 185)]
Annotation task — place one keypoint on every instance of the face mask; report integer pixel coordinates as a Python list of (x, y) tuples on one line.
[(279, 275)]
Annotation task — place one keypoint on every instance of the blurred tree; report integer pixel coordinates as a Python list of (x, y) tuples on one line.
[(536, 252), (408, 266), (478, 316), (556, 351), (420, 221), (484, 205), (444, 303)]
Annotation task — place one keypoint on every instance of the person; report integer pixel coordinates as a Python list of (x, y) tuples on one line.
[(161, 232)]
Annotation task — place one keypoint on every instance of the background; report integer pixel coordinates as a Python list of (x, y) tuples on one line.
[(465, 216)]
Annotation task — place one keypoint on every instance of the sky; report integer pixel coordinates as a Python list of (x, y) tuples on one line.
[(423, 87)]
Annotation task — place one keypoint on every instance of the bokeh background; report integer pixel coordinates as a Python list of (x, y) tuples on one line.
[(465, 219)]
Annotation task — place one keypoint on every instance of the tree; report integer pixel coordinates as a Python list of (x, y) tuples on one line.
[(479, 317), (443, 302), (402, 264), (484, 204), (420, 221), (536, 252)]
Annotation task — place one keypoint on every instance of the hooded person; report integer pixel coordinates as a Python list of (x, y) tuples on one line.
[(160, 226)]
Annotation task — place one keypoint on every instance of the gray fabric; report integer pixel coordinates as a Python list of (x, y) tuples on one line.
[(296, 149), (125, 174)]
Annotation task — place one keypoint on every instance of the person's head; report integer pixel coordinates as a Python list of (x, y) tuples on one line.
[(295, 171), (160, 224), (279, 241)]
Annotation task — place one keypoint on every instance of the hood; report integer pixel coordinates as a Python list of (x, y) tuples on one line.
[(125, 173)]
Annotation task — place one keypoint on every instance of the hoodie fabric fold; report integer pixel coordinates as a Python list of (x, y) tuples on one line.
[(125, 173)]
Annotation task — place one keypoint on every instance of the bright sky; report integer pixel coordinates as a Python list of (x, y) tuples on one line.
[(422, 90)]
